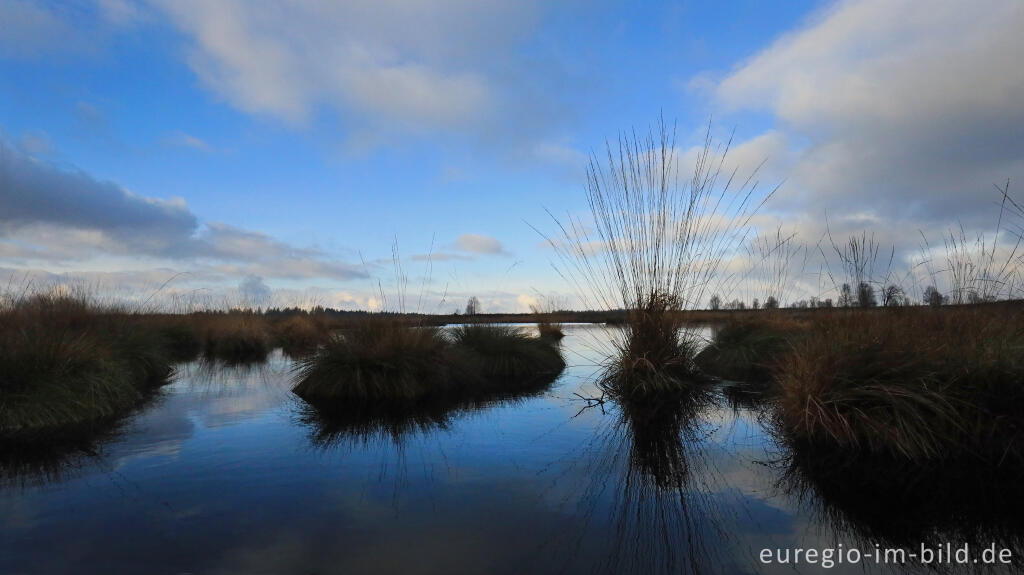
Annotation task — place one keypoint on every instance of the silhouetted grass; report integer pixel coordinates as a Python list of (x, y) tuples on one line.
[(180, 333), (65, 362)]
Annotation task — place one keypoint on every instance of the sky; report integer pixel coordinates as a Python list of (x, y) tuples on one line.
[(282, 152)]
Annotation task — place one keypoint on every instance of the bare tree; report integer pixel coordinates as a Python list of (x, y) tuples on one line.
[(894, 296), (472, 306)]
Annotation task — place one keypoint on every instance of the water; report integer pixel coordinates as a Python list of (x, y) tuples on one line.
[(228, 472)]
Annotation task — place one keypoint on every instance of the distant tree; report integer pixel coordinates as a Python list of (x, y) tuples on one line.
[(802, 304), (866, 295), (845, 296), (771, 303), (827, 303), (933, 297), (715, 302), (472, 306), (893, 296), (756, 304), (974, 297), (814, 302)]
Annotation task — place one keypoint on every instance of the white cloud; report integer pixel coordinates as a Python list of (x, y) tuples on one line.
[(389, 64), (30, 31), (479, 244), (906, 109), (183, 140)]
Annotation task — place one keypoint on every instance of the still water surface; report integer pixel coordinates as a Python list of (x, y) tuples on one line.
[(228, 472)]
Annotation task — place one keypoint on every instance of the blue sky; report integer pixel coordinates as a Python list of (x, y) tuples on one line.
[(287, 144)]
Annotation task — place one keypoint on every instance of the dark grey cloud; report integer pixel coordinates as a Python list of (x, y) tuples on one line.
[(32, 191), (49, 213)]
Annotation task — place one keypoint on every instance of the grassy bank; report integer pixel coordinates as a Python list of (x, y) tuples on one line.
[(381, 360), (65, 363), (918, 384)]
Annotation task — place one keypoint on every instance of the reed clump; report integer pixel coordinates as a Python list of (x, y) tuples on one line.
[(384, 360), (916, 384), (65, 362), (547, 325), (655, 355), (656, 247), (550, 329)]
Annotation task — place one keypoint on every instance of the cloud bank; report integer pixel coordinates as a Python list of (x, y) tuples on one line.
[(900, 109), (54, 215)]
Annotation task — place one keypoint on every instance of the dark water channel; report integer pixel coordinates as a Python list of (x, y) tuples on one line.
[(227, 472)]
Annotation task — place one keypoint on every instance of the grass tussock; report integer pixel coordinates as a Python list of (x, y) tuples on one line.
[(66, 363), (381, 360), (502, 353), (655, 355), (377, 359), (299, 334), (748, 348), (547, 325), (234, 337), (917, 384), (550, 330)]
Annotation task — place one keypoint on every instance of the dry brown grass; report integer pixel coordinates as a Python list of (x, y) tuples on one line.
[(299, 334), (915, 383), (65, 362), (234, 337)]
